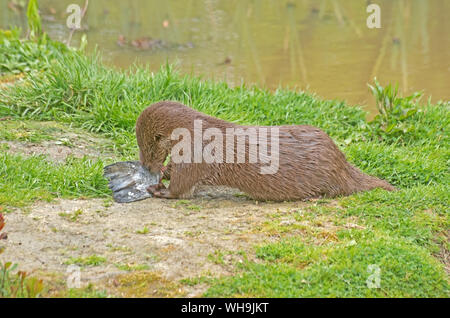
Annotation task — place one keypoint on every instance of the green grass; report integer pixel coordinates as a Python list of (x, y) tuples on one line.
[(87, 292), (18, 56), (292, 269), (403, 232), (93, 260), (421, 216), (58, 289), (145, 230), (28, 131), (72, 217), (25, 179), (404, 166)]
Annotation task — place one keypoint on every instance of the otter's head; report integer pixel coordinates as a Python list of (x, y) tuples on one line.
[(153, 140), (154, 153)]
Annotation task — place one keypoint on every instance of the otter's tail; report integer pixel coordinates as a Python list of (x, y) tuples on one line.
[(366, 182)]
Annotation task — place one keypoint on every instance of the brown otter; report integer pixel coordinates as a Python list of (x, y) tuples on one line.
[(309, 165)]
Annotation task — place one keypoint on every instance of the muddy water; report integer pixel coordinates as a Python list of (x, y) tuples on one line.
[(324, 46)]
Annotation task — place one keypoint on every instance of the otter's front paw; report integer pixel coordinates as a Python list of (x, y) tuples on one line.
[(155, 188), (152, 189), (163, 193)]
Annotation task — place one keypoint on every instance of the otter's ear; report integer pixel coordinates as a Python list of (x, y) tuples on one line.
[(157, 137)]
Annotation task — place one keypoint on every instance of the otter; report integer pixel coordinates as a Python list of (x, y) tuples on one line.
[(310, 165)]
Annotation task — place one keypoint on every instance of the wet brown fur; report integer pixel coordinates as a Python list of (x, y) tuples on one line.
[(310, 164)]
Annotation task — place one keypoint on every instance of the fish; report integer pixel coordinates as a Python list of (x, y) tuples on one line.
[(129, 180)]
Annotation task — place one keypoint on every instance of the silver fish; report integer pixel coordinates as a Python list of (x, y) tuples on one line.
[(129, 180)]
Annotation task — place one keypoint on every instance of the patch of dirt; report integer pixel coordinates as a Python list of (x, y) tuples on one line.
[(8, 80), (56, 141), (54, 150), (175, 238), (444, 255)]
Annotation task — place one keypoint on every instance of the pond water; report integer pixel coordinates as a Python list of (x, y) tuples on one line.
[(323, 46)]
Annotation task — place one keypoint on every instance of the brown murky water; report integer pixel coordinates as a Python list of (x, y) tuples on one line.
[(323, 46)]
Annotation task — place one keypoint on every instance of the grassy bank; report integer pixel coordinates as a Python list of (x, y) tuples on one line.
[(405, 233)]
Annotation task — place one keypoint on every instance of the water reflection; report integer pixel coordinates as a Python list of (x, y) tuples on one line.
[(320, 45)]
